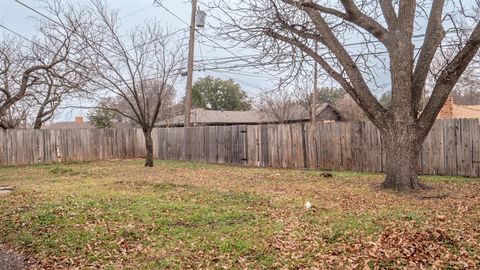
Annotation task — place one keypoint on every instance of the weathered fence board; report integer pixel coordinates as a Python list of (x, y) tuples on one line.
[(451, 148)]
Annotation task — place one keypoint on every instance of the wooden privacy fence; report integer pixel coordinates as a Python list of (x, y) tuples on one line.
[(451, 148), (21, 147)]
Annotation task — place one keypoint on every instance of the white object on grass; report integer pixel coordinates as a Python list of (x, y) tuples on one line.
[(308, 205)]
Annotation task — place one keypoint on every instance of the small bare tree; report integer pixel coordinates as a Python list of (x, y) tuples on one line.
[(138, 69), (168, 99), (359, 39), (278, 104)]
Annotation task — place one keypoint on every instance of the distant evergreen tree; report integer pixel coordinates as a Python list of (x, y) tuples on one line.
[(101, 118)]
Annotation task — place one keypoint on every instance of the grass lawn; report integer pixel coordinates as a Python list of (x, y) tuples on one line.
[(180, 215)]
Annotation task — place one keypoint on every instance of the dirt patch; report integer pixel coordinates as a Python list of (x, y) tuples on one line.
[(12, 260)]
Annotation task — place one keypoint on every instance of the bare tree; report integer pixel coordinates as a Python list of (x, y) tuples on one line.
[(20, 70), (49, 95), (467, 90), (349, 109), (289, 29), (69, 77), (303, 94), (138, 69), (42, 72), (278, 104), (168, 98)]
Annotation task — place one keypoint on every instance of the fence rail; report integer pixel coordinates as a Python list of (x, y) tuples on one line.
[(451, 148)]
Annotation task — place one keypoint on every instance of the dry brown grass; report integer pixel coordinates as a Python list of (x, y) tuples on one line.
[(188, 215)]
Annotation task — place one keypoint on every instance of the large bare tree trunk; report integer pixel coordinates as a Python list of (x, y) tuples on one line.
[(303, 25), (147, 132), (402, 146)]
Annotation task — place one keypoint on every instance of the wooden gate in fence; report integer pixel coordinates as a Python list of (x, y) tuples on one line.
[(451, 148)]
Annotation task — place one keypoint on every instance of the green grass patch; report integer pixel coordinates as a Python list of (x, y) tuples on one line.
[(178, 215)]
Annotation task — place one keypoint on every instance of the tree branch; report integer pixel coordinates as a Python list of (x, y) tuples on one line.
[(433, 38), (372, 115), (447, 80), (406, 17), (373, 108), (389, 14), (353, 14)]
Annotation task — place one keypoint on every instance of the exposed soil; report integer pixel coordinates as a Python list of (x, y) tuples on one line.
[(11, 260)]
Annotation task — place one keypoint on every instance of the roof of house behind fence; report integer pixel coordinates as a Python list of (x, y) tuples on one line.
[(466, 111), (79, 123), (214, 117)]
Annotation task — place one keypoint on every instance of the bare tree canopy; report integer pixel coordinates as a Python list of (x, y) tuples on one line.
[(23, 69), (467, 90), (137, 70), (352, 36), (280, 104), (38, 74)]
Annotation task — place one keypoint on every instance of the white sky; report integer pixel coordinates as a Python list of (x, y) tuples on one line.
[(133, 12)]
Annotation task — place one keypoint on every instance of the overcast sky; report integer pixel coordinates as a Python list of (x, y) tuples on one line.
[(133, 12), (19, 18)]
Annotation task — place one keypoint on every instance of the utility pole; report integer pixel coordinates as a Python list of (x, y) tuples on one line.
[(313, 117), (314, 92), (191, 48)]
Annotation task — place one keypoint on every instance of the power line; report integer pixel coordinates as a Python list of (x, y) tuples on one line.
[(25, 38), (180, 69), (155, 39), (236, 59), (213, 41), (35, 43), (61, 25), (260, 64), (230, 57), (235, 56), (159, 3), (252, 64), (136, 11), (200, 50), (247, 74), (213, 69), (242, 81), (120, 81)]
